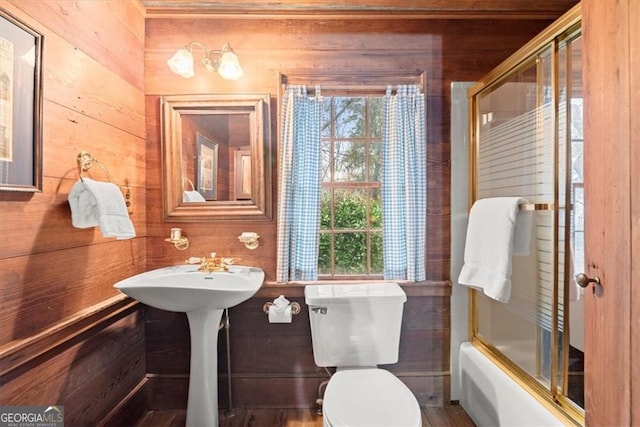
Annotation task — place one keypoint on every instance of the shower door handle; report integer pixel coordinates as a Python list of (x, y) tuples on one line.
[(584, 280)]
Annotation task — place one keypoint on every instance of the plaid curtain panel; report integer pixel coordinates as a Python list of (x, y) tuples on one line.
[(404, 184), (299, 186)]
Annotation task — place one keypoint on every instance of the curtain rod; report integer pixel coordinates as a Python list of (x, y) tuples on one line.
[(363, 89)]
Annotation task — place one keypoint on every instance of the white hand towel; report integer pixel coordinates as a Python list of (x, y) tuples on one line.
[(192, 196), (95, 203), (491, 235)]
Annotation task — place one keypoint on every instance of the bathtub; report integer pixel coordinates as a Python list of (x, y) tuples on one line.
[(492, 398)]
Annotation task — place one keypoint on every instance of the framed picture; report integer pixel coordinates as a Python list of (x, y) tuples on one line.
[(206, 167), (20, 106), (243, 174)]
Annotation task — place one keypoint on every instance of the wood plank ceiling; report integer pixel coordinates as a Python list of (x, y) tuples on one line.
[(461, 9)]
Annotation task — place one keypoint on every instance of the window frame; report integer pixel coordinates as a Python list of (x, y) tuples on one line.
[(367, 139), (355, 84)]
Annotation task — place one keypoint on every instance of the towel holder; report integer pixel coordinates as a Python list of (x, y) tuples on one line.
[(536, 207), (186, 180), (86, 161)]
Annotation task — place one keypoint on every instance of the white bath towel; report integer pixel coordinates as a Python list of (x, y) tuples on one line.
[(494, 227), (575, 292), (100, 204)]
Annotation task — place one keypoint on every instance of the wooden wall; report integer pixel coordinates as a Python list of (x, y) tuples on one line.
[(66, 336), (62, 323), (272, 364)]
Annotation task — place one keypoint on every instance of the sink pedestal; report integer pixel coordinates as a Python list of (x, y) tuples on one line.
[(203, 296), (202, 406)]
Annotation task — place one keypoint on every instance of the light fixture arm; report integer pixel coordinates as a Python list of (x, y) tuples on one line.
[(210, 58)]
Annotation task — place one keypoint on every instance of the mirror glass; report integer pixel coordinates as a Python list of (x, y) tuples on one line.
[(216, 153)]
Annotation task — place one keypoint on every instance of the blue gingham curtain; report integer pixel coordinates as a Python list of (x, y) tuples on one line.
[(404, 184), (299, 186)]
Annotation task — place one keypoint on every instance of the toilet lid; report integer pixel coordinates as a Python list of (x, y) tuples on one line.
[(368, 398)]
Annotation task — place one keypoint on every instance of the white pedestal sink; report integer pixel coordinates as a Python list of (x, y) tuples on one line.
[(203, 296)]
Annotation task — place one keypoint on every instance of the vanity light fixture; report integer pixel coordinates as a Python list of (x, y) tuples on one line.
[(224, 61)]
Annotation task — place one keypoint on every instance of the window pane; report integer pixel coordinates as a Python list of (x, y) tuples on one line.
[(375, 161), (375, 117), (326, 118), (350, 209), (324, 256), (376, 253), (325, 159), (375, 209), (325, 209), (350, 161), (351, 253), (349, 117)]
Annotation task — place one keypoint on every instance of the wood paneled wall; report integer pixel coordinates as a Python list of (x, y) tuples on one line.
[(611, 56), (66, 336), (446, 50), (272, 364)]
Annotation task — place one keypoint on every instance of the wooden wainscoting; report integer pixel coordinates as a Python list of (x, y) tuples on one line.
[(272, 364), (73, 364)]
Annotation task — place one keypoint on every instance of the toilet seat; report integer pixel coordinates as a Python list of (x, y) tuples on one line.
[(367, 398)]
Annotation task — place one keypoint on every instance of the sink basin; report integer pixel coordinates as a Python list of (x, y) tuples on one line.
[(203, 296), (183, 288)]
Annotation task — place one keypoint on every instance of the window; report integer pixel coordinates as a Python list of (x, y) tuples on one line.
[(351, 210), (345, 159)]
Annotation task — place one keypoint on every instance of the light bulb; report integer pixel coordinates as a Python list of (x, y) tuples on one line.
[(229, 67), (182, 63)]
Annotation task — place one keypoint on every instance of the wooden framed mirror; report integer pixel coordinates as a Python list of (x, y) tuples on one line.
[(202, 136)]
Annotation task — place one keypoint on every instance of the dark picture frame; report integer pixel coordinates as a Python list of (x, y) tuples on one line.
[(21, 50), (206, 167)]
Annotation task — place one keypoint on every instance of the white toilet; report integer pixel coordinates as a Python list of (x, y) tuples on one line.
[(355, 328)]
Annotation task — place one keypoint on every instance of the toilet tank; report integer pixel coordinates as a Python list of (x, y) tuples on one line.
[(355, 325)]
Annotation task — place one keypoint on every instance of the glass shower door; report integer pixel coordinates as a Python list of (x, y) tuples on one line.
[(527, 135), (571, 190)]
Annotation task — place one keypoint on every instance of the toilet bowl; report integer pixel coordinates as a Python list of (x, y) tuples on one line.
[(369, 398), (355, 328)]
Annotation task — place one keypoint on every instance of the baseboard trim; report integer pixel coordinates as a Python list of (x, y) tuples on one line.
[(131, 409), (169, 391)]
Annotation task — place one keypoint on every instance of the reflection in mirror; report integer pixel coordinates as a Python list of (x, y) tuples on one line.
[(216, 157), (206, 166)]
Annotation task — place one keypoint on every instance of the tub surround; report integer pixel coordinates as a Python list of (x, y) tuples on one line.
[(492, 398)]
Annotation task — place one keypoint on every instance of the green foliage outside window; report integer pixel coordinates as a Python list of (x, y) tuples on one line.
[(354, 214)]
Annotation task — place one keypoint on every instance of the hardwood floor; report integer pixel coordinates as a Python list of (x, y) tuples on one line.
[(453, 416)]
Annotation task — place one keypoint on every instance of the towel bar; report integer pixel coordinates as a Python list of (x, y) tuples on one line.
[(86, 161), (536, 207)]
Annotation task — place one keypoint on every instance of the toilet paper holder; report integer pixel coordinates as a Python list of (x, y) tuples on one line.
[(295, 307)]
